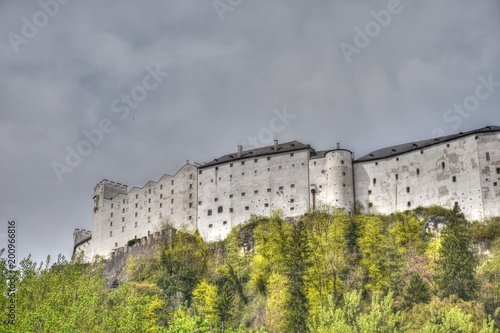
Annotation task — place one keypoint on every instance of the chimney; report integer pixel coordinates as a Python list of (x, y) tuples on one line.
[(338, 145), (275, 145), (240, 150)]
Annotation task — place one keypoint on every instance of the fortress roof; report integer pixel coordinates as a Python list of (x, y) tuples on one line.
[(280, 148), (417, 145)]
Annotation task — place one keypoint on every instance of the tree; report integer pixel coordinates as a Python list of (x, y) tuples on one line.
[(416, 292), (456, 263)]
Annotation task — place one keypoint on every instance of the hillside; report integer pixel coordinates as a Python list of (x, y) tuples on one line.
[(425, 270)]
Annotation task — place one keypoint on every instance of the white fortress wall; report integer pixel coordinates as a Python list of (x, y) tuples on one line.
[(489, 164), (441, 174), (254, 183)]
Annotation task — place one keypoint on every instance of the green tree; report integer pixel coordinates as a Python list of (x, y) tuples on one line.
[(456, 263), (416, 292)]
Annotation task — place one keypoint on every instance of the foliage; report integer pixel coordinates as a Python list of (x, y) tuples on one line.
[(327, 271)]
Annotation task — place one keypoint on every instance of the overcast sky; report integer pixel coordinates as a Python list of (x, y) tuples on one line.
[(170, 81)]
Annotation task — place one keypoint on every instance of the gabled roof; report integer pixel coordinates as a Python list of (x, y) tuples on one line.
[(282, 147), (417, 145)]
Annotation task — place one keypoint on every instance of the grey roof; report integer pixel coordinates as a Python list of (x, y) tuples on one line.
[(282, 147), (322, 153), (417, 145)]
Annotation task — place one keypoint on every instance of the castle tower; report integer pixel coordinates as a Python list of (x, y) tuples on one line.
[(339, 179), (104, 191)]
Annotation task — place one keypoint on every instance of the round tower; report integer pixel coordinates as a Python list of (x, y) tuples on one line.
[(339, 179)]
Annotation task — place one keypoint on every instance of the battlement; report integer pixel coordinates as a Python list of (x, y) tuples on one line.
[(109, 189)]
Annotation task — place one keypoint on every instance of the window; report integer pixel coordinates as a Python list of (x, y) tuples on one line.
[(495, 184), (190, 205), (247, 208), (342, 162), (280, 188), (269, 158), (199, 203), (199, 172), (216, 199), (123, 229), (292, 200), (209, 212), (137, 196), (171, 211), (397, 177), (161, 205), (291, 154), (242, 173), (171, 200), (397, 158), (442, 165), (376, 163), (190, 217), (370, 205), (231, 165), (279, 167), (190, 195), (230, 196), (230, 210), (123, 219), (161, 196), (256, 192), (149, 210), (110, 233), (242, 194), (149, 191), (454, 178), (418, 172), (136, 205), (110, 224), (135, 214), (291, 208), (374, 181), (369, 191), (408, 189), (421, 152), (255, 171), (242, 162), (161, 187), (219, 209), (487, 156), (172, 182), (224, 223), (190, 186), (111, 214), (149, 200), (191, 176), (255, 160), (216, 168), (116, 244), (172, 192), (269, 190), (210, 225), (408, 204), (111, 205), (266, 205), (292, 186), (123, 200), (498, 171)]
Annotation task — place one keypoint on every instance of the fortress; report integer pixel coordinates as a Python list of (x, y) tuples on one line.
[(293, 177)]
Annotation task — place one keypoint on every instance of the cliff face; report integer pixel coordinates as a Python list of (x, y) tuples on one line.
[(146, 247)]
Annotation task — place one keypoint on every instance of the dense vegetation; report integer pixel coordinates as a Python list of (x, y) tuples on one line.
[(326, 272)]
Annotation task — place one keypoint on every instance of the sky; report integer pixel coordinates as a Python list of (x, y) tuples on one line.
[(130, 90)]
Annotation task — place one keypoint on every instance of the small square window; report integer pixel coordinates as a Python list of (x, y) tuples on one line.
[(369, 191), (199, 203), (230, 210), (231, 165), (230, 196), (342, 162), (190, 205), (266, 205), (242, 194), (190, 195), (190, 186), (171, 200), (149, 210), (247, 207), (224, 222), (498, 171), (149, 200), (454, 179), (135, 214), (291, 154), (161, 196), (255, 160), (136, 205), (376, 163), (171, 191), (242, 162), (280, 188), (200, 172), (408, 189), (123, 219), (210, 225), (219, 209), (370, 205), (408, 204), (256, 192), (209, 212), (269, 158), (269, 190), (292, 200), (292, 186), (495, 184), (216, 168), (190, 217), (292, 208), (216, 199)]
